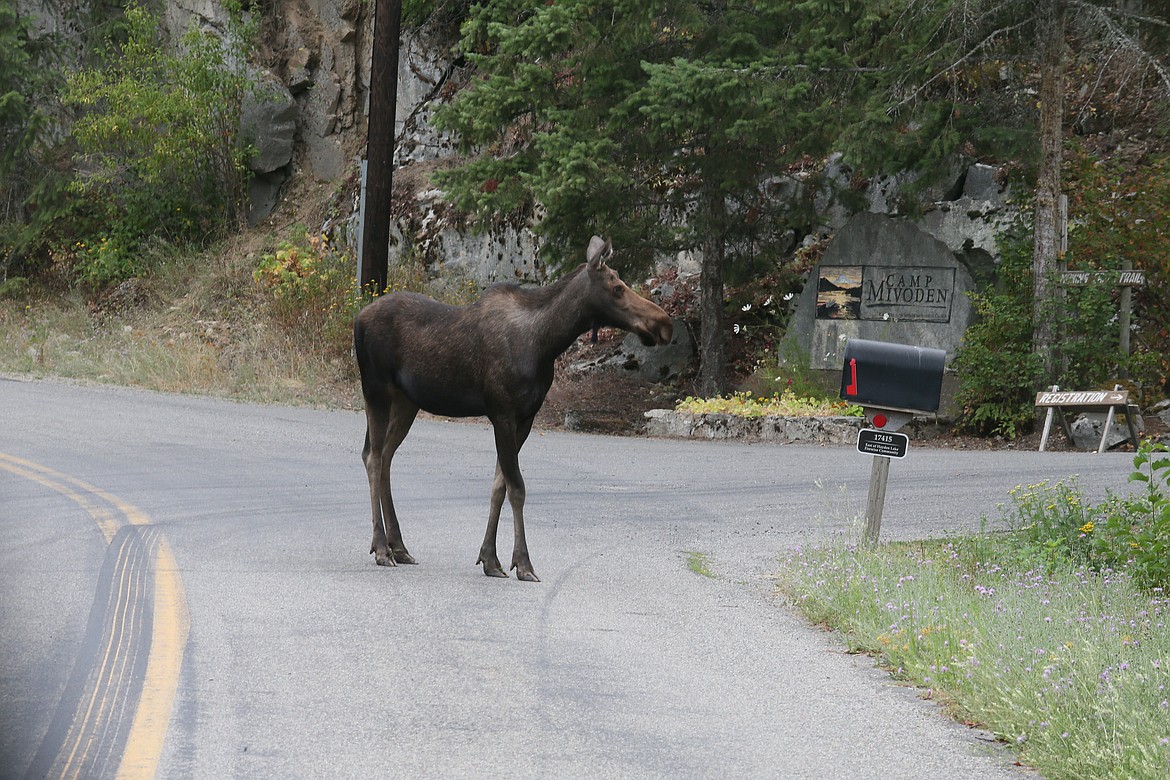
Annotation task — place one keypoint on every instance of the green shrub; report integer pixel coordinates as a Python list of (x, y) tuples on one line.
[(1135, 531), (1054, 524), (314, 291), (157, 149), (998, 373)]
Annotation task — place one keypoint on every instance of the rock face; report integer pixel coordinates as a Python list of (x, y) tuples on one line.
[(309, 119), (268, 125), (655, 364), (1087, 430), (1162, 410)]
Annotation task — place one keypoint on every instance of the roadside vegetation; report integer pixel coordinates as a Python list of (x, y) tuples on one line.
[(123, 182), (786, 404), (258, 318), (1051, 633)]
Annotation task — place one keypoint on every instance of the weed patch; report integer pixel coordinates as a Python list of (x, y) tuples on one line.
[(697, 563), (1043, 634)]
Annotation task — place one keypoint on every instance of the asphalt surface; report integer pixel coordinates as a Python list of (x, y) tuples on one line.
[(302, 658)]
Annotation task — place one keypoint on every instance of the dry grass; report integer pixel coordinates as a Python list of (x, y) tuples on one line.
[(203, 325), (197, 325)]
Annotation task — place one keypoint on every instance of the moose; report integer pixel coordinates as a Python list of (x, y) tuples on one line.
[(492, 358)]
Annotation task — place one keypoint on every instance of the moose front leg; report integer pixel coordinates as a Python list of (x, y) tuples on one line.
[(487, 550), (508, 442)]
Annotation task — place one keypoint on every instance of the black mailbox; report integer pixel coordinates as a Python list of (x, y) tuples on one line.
[(892, 376)]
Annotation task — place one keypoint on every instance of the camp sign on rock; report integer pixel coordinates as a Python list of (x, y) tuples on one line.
[(881, 280), (877, 292)]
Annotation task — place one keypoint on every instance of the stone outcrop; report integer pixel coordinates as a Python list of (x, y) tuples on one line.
[(655, 364), (1087, 429), (802, 430)]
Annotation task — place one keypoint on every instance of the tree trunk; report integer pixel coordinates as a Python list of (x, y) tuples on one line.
[(1046, 246), (712, 347)]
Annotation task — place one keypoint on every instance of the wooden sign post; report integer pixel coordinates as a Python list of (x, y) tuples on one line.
[(1126, 279)]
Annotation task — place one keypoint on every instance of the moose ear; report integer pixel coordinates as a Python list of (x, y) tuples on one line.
[(597, 247), (599, 251)]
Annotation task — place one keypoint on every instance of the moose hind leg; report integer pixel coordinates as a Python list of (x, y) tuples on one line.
[(372, 458), (382, 442)]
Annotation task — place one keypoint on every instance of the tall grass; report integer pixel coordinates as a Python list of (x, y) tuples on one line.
[(197, 324), (1067, 663), (273, 324)]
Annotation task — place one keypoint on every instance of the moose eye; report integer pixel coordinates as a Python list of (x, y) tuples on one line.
[(618, 290)]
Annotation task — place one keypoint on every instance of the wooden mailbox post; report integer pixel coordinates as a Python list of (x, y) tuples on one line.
[(892, 382)]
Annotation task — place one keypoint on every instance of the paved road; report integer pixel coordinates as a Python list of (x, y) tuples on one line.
[(209, 559)]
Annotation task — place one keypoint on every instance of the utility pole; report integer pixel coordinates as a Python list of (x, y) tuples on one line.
[(375, 246)]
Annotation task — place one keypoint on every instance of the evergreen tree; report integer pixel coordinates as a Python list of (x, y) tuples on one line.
[(661, 123), (26, 83), (975, 54)]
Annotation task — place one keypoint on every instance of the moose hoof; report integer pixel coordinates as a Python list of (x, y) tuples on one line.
[(402, 556), (492, 567), (384, 559), (524, 572)]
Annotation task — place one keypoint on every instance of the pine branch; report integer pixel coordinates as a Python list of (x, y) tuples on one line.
[(952, 67)]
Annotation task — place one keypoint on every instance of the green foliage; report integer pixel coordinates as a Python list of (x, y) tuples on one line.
[(699, 563), (786, 404), (314, 295), (314, 292), (28, 81), (1066, 666), (997, 370), (14, 287), (18, 73), (942, 89), (157, 149), (1135, 531), (655, 122), (1054, 524), (1119, 209), (1115, 213)]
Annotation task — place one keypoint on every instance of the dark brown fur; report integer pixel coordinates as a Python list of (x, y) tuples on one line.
[(493, 358)]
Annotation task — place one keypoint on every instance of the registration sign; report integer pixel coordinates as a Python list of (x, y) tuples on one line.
[(871, 441)]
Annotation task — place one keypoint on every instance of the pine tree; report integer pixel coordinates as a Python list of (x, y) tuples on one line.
[(661, 123), (958, 45)]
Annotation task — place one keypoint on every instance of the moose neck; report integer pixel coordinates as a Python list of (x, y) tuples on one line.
[(564, 317)]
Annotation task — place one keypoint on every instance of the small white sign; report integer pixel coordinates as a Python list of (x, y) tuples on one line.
[(871, 441)]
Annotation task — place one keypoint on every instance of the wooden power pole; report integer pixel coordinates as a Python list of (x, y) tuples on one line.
[(380, 144)]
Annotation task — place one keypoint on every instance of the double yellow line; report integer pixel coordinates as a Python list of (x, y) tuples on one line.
[(122, 690)]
